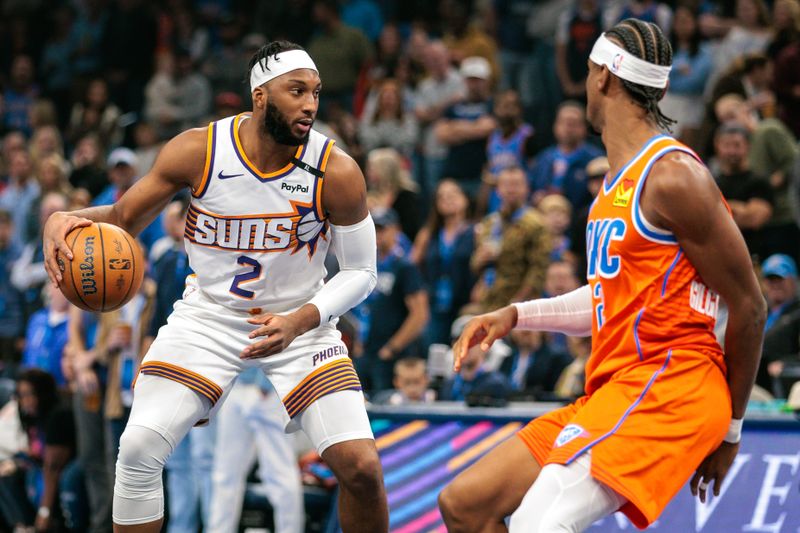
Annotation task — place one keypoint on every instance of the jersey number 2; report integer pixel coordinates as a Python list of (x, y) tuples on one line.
[(251, 275)]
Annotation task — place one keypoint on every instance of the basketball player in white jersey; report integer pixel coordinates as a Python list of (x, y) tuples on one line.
[(269, 195)]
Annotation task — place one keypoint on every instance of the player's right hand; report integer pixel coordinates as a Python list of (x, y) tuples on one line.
[(53, 241), (484, 329)]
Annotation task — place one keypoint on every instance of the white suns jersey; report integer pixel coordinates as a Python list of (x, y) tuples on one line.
[(258, 240)]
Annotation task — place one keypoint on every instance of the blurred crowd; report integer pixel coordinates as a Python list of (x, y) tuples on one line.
[(468, 119)]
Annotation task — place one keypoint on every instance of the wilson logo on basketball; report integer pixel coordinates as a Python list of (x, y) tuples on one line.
[(119, 264), (88, 282)]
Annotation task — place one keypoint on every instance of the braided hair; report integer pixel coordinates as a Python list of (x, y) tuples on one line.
[(647, 42), (266, 51)]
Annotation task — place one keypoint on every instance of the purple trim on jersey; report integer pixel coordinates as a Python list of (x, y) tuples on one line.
[(253, 171), (207, 179), (669, 271), (625, 414)]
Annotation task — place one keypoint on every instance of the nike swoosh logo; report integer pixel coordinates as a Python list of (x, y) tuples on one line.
[(227, 176)]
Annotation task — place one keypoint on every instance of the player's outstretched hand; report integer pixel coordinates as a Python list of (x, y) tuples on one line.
[(279, 331), (484, 329), (714, 468), (53, 241)]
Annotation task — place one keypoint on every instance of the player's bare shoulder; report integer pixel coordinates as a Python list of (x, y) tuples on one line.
[(344, 194), (680, 190), (183, 158)]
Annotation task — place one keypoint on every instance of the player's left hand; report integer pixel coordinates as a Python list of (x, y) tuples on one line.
[(714, 468), (279, 330)]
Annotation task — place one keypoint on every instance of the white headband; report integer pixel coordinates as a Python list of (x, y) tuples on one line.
[(627, 66), (278, 65)]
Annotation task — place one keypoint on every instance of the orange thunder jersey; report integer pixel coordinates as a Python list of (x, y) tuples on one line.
[(647, 297)]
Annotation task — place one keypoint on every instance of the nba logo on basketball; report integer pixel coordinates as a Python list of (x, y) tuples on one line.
[(615, 64)]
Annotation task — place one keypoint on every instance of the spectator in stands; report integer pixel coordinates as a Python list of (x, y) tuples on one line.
[(785, 25), (46, 336), (44, 434), (787, 86), (51, 173), (691, 66), (571, 383), (12, 311), (561, 168), (475, 384), (749, 196), (55, 65), (20, 193), (223, 67), (87, 35), (782, 335), (533, 368), (391, 124), (511, 247), (364, 15), (466, 126), (772, 155), (88, 166), (441, 88), (145, 137), (250, 425), (578, 28), (122, 175), (596, 171), (390, 186), (410, 384), (561, 277), (95, 114), (442, 250), (19, 96), (511, 144), (464, 39), (398, 308), (557, 216), (178, 96), (750, 34), (28, 274), (84, 372), (658, 13), (45, 140), (12, 142), (340, 53), (517, 64), (751, 78)]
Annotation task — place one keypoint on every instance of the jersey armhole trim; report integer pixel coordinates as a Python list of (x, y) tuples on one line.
[(643, 226), (322, 166), (211, 144)]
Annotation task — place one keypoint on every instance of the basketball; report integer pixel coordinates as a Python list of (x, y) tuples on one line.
[(106, 270)]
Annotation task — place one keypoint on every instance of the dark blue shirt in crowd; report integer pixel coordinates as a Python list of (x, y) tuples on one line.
[(490, 384), (539, 372), (448, 279), (150, 234), (44, 344), (12, 311), (464, 162), (169, 272), (557, 172), (398, 278)]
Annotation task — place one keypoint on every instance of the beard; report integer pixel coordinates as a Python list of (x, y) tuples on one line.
[(278, 127)]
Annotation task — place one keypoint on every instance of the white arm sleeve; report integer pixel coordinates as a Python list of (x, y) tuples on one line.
[(569, 313), (356, 250)]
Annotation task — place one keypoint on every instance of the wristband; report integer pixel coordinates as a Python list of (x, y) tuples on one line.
[(734, 431)]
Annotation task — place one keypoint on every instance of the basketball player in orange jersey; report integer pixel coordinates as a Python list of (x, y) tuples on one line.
[(269, 195), (664, 403)]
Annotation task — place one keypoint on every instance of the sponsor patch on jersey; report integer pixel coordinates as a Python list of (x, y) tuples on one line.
[(295, 188), (570, 433), (622, 197)]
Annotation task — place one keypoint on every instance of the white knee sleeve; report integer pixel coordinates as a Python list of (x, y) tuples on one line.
[(564, 499), (138, 492), (163, 411)]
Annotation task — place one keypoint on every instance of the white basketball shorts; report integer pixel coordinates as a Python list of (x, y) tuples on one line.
[(200, 346)]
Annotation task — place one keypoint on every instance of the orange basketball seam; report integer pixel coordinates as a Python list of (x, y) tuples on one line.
[(133, 263), (72, 274)]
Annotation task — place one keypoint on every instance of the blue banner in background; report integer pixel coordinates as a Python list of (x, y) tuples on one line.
[(420, 457)]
